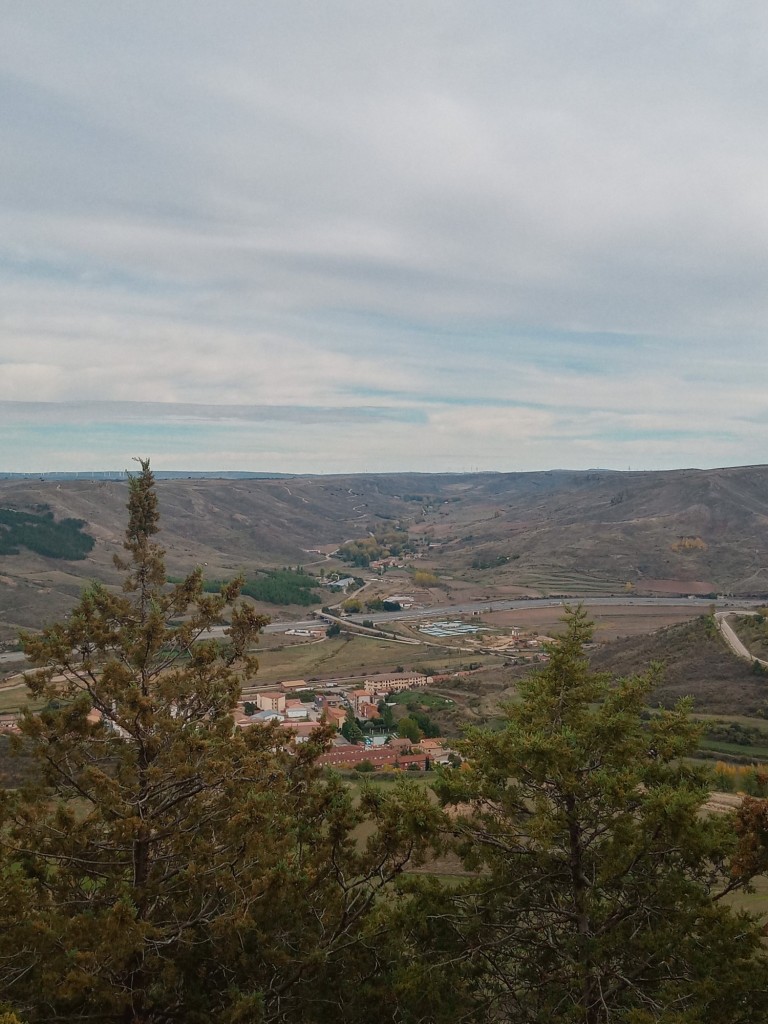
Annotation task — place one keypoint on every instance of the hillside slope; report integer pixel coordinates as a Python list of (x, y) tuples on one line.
[(694, 661), (685, 531)]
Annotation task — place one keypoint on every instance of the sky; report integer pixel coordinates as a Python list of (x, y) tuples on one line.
[(380, 235)]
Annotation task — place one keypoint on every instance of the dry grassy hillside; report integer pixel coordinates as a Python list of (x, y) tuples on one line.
[(227, 525), (694, 661), (686, 531), (704, 530)]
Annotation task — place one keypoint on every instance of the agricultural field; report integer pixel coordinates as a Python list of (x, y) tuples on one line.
[(13, 696), (426, 700), (751, 752), (611, 622), (548, 581), (353, 655)]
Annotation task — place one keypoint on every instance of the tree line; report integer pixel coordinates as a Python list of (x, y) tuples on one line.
[(364, 550), (38, 531), (275, 586), (164, 866)]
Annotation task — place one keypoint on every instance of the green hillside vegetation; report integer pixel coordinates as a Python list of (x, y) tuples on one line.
[(736, 751), (738, 740), (724, 731), (38, 531), (277, 586)]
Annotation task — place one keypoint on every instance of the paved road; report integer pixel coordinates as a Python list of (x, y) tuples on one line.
[(730, 637), (444, 611), (448, 610)]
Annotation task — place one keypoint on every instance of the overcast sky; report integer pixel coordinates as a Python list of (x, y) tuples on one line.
[(344, 236)]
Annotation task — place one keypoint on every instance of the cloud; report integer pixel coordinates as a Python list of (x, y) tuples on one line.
[(487, 223)]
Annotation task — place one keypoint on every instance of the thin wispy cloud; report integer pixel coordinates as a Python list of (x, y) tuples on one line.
[(345, 236)]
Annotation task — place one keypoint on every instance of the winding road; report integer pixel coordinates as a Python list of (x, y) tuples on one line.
[(730, 637)]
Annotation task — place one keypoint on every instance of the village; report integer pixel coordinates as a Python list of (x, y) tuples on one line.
[(302, 708), (366, 737)]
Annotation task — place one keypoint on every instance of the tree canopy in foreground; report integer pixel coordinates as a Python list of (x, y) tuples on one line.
[(168, 867), (601, 879)]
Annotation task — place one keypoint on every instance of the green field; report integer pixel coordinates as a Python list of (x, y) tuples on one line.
[(13, 697), (753, 723), (423, 698), (758, 753)]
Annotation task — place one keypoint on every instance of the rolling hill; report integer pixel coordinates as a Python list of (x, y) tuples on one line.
[(682, 531)]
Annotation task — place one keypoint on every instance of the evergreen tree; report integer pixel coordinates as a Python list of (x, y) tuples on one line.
[(350, 730), (386, 713), (168, 867), (600, 878)]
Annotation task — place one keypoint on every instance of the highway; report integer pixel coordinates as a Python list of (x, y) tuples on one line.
[(725, 607), (446, 611), (468, 608)]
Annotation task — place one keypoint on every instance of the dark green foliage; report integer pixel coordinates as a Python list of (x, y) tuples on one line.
[(735, 732), (387, 716), (597, 898), (350, 730), (283, 587), (39, 532), (490, 561), (166, 867), (275, 586), (428, 728), (333, 630), (17, 766), (409, 729)]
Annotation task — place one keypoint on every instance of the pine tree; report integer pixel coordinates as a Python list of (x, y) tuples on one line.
[(350, 730), (600, 878), (168, 867)]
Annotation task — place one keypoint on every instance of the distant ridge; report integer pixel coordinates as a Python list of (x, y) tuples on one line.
[(559, 533), (160, 474)]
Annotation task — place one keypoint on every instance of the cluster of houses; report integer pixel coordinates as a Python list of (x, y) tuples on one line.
[(302, 717), (395, 753)]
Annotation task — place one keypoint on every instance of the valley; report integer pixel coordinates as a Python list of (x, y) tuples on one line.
[(648, 553), (494, 535)]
